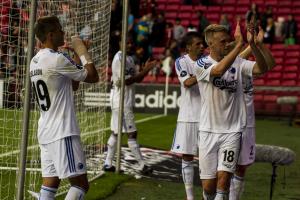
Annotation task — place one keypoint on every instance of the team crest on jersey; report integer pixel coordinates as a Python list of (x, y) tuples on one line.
[(223, 84), (183, 74), (80, 166), (130, 71), (232, 70)]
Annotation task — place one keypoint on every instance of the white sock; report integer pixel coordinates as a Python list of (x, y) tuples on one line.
[(75, 193), (222, 195), (47, 193), (188, 178), (236, 187), (111, 149), (135, 149), (208, 196)]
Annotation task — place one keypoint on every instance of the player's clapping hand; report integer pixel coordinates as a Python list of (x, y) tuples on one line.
[(259, 38), (238, 34), (251, 32), (149, 64)]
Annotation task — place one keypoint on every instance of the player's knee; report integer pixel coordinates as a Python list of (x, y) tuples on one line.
[(187, 157), (132, 135), (241, 170), (209, 186), (80, 181)]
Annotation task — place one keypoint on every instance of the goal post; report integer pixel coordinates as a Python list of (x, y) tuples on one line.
[(91, 20)]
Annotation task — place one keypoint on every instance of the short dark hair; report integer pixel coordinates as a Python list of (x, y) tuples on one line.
[(44, 25), (188, 38)]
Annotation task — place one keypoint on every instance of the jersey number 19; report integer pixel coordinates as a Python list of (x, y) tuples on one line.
[(42, 94)]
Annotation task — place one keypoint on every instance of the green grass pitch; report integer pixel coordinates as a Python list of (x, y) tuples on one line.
[(158, 133)]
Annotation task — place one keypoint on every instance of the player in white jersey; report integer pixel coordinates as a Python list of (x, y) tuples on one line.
[(131, 77), (54, 76), (185, 140), (223, 110), (247, 153)]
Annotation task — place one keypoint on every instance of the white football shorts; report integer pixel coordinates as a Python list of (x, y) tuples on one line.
[(128, 121), (247, 154), (185, 139), (63, 158), (218, 152)]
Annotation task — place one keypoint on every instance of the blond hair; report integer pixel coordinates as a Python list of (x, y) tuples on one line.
[(212, 29)]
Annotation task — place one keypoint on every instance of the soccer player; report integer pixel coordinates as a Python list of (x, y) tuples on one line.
[(54, 76), (223, 110), (185, 140), (247, 153), (131, 77)]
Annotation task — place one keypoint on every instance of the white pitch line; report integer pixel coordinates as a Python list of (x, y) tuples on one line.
[(84, 134)]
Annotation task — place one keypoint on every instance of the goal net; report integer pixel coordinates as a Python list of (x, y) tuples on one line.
[(91, 20)]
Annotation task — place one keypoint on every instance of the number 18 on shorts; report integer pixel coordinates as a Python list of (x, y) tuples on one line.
[(218, 152)]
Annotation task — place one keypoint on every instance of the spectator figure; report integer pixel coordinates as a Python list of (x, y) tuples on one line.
[(142, 31), (191, 28), (290, 30), (267, 14), (178, 30), (168, 34), (203, 22), (269, 31), (158, 30), (279, 28), (252, 12), (224, 22)]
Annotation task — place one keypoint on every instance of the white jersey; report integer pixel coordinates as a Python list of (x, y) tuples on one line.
[(51, 75), (129, 92), (248, 96), (223, 107), (189, 104)]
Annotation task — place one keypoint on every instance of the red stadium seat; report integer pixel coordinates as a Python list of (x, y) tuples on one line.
[(278, 53), (244, 2), (272, 82), (161, 7), (242, 10), (291, 61), (200, 8), (289, 83), (185, 15), (274, 75), (178, 2), (293, 54), (278, 68), (296, 4), (228, 9), (161, 79), (171, 15), (289, 76), (149, 79), (185, 23), (270, 98), (278, 60), (278, 47), (171, 8), (284, 11), (213, 9), (230, 2), (272, 3), (186, 8), (293, 47), (175, 81), (161, 1), (285, 3), (259, 82), (292, 68)]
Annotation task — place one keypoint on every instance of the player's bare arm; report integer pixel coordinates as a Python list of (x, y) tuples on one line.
[(190, 82), (264, 50), (260, 66), (144, 71), (81, 51), (225, 63)]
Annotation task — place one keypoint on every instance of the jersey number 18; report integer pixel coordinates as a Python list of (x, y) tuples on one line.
[(42, 94)]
